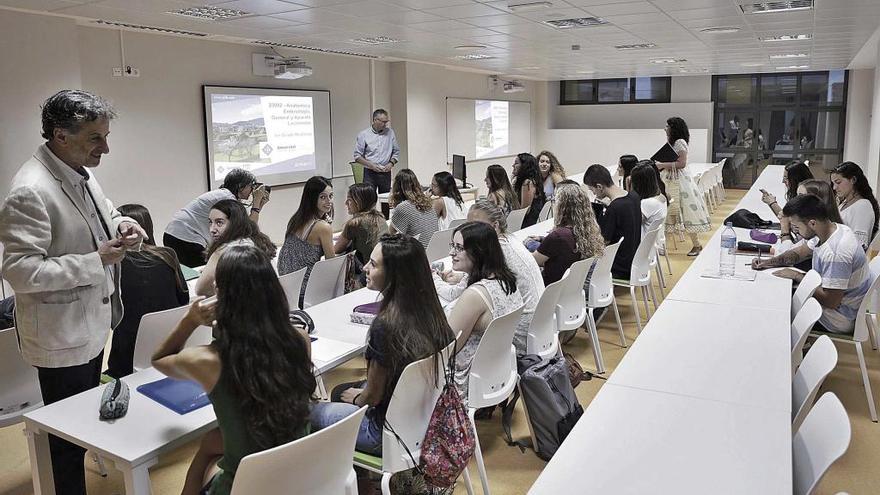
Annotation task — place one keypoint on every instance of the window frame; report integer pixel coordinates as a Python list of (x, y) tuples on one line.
[(667, 80)]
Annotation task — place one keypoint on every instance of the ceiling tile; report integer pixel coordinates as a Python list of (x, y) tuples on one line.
[(464, 11), (261, 7), (440, 26), (312, 15), (622, 9)]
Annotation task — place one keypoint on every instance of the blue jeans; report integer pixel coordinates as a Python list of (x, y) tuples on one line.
[(369, 438)]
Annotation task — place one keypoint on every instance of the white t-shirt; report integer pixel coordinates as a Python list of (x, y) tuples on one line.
[(191, 223), (859, 217), (453, 212), (653, 216), (842, 263)]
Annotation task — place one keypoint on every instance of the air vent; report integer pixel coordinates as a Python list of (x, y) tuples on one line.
[(771, 7), (153, 29), (374, 40), (313, 48), (579, 22), (473, 56), (637, 46), (209, 13)]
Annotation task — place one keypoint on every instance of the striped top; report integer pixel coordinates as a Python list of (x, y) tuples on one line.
[(409, 220), (843, 266)]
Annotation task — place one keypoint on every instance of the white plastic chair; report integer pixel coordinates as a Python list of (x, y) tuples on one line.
[(409, 411), (543, 334), (640, 276), (292, 285), (325, 281), (874, 302), (438, 247), (822, 438), (805, 290), (704, 184), (546, 212), (153, 329), (601, 293), (317, 464), (860, 334), (20, 393), (493, 375), (515, 219), (572, 309), (819, 362), (803, 323)]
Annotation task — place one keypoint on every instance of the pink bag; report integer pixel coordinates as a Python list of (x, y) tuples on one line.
[(449, 442)]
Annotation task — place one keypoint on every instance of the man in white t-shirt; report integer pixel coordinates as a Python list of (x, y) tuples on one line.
[(837, 256)]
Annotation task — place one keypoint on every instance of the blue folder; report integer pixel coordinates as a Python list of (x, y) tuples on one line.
[(181, 396)]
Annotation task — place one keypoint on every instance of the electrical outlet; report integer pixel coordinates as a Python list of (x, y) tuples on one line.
[(117, 72), (132, 72)]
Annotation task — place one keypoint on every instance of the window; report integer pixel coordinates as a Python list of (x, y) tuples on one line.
[(615, 91)]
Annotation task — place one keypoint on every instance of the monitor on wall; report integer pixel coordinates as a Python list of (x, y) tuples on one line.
[(281, 135)]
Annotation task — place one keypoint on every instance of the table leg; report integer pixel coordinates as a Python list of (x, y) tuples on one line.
[(41, 461), (137, 478)]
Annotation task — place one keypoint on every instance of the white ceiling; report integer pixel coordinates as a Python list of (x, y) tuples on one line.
[(521, 43)]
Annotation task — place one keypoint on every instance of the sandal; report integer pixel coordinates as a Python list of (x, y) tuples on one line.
[(695, 251)]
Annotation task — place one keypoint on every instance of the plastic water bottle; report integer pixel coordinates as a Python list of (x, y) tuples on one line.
[(727, 263)]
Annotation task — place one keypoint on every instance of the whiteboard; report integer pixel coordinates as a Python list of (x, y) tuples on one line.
[(462, 123)]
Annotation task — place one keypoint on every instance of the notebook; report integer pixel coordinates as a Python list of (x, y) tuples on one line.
[(189, 273), (665, 154), (181, 396)]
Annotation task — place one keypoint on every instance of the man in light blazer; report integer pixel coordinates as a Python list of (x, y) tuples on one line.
[(63, 241)]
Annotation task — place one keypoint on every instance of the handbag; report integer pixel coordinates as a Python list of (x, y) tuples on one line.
[(114, 400)]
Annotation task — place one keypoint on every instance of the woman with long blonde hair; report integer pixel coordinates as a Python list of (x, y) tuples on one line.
[(552, 172)]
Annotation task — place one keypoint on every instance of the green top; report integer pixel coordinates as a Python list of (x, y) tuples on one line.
[(364, 230), (237, 444)]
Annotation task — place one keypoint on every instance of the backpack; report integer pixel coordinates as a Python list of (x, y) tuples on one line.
[(553, 408), (745, 219)]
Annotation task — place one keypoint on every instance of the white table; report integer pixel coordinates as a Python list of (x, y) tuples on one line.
[(637, 442)]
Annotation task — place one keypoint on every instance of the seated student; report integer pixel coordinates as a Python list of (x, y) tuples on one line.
[(529, 283), (410, 326), (552, 172), (500, 192), (624, 168), (575, 235), (643, 181), (413, 213), (837, 256), (491, 292), (622, 218), (187, 233), (856, 200), (792, 175), (256, 410), (788, 238), (527, 187), (309, 235), (448, 203), (361, 232), (230, 226), (150, 281)]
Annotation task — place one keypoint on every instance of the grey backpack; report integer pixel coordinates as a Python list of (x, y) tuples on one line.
[(550, 400)]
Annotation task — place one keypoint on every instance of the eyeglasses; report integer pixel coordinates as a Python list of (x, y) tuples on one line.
[(455, 247)]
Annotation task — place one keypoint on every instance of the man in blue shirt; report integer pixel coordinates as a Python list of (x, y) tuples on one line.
[(377, 150)]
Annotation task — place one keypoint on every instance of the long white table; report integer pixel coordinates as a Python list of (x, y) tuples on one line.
[(701, 402)]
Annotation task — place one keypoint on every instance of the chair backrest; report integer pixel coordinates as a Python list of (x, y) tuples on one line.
[(601, 289), (640, 272), (455, 223), (21, 389), (324, 281), (805, 290), (820, 360), (543, 338), (515, 219), (438, 246), (873, 266), (546, 211), (317, 464), (357, 171), (809, 314), (292, 285), (153, 329), (822, 438), (410, 409), (493, 370), (572, 310), (860, 332)]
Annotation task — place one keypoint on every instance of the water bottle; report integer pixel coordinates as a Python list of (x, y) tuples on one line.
[(727, 263)]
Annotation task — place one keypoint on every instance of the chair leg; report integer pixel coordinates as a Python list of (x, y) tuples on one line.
[(528, 420), (386, 483), (619, 324), (594, 337), (322, 391), (872, 330), (478, 453), (467, 481), (866, 381), (661, 280), (351, 484), (645, 300), (632, 295), (653, 295), (666, 255)]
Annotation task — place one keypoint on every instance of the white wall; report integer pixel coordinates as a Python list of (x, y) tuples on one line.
[(860, 93), (872, 170)]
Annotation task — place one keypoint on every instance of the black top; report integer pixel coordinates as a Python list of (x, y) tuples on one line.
[(560, 248), (534, 212), (376, 351), (623, 218)]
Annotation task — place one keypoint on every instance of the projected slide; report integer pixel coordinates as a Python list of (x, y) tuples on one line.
[(263, 134), (492, 132)]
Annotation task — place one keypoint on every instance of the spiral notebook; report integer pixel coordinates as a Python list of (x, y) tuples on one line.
[(181, 396)]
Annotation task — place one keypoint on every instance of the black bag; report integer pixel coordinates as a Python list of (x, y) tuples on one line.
[(7, 312), (745, 219), (753, 247), (549, 397)]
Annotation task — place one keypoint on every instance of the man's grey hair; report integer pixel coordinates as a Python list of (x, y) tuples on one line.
[(70, 108), (378, 112)]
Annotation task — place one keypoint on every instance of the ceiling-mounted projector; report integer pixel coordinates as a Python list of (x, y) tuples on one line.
[(513, 87), (280, 67)]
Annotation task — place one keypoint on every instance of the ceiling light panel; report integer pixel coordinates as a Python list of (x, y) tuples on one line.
[(793, 67), (668, 60), (776, 7), (526, 6), (154, 29), (578, 22), (375, 40), (636, 46), (720, 30), (788, 55), (786, 37), (312, 48), (473, 56), (210, 13)]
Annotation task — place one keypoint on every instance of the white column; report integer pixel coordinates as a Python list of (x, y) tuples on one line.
[(872, 170)]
